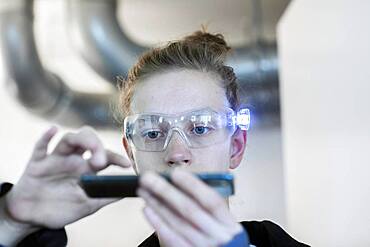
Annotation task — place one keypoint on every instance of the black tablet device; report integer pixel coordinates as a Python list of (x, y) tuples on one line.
[(126, 185)]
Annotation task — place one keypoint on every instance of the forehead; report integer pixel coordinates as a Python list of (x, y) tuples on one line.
[(178, 91)]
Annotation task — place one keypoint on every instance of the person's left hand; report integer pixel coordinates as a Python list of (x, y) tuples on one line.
[(190, 214)]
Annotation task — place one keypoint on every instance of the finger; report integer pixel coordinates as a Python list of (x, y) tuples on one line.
[(41, 148), (196, 188), (75, 165), (62, 166), (112, 159), (86, 139), (165, 233), (72, 165), (117, 159), (189, 232), (99, 203), (181, 203)]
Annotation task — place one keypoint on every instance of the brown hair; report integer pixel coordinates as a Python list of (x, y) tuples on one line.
[(199, 51)]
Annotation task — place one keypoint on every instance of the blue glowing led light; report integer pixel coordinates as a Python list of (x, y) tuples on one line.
[(243, 119)]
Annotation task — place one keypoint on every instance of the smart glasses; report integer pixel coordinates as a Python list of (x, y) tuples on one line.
[(198, 128)]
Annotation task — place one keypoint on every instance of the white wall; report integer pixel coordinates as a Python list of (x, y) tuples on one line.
[(325, 88), (259, 181)]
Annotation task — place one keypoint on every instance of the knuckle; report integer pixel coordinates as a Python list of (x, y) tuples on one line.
[(86, 128), (189, 183), (160, 186), (215, 203), (157, 184), (89, 132), (189, 210)]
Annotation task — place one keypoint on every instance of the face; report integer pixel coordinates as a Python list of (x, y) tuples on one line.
[(179, 91)]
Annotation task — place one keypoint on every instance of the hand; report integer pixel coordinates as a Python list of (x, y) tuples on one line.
[(190, 214), (48, 194)]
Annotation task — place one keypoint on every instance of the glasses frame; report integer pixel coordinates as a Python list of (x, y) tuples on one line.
[(239, 119)]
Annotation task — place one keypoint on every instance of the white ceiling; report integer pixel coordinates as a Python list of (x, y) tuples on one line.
[(150, 22)]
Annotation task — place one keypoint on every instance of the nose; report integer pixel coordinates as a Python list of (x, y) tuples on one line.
[(177, 152)]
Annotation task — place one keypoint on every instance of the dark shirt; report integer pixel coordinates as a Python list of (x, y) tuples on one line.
[(261, 234)]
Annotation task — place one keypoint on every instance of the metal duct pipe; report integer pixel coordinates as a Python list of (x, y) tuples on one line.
[(41, 91), (257, 70), (110, 52), (256, 64), (100, 39)]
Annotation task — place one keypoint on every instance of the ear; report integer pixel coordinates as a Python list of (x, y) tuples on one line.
[(129, 153), (238, 145)]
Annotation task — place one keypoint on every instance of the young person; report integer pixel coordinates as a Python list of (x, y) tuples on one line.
[(179, 105)]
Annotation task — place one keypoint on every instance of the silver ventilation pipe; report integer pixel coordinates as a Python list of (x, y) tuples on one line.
[(99, 38), (256, 67), (107, 49), (41, 91)]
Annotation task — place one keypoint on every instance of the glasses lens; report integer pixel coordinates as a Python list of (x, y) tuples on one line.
[(206, 128), (149, 132), (200, 128)]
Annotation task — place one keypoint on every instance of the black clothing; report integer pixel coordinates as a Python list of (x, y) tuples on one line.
[(261, 234)]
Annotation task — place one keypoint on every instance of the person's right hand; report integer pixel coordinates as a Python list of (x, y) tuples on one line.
[(48, 194)]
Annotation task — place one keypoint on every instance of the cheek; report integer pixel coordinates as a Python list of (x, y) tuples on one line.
[(149, 161), (213, 159)]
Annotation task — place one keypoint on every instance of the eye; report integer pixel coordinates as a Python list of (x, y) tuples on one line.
[(200, 130), (153, 134)]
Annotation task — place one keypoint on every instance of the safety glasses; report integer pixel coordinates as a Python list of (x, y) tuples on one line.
[(198, 128)]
